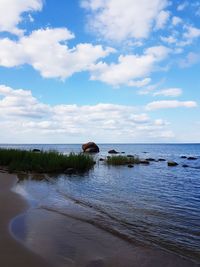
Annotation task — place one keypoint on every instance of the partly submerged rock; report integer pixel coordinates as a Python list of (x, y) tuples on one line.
[(185, 166), (130, 166), (101, 159), (161, 159), (36, 150), (112, 151), (172, 163), (90, 147), (192, 158), (150, 159), (183, 157), (145, 162)]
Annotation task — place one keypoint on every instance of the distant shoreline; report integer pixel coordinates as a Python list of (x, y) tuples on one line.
[(28, 144)]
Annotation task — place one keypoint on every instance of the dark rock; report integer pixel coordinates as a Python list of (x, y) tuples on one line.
[(91, 150), (145, 162), (36, 150), (183, 157), (150, 159), (101, 159), (112, 151), (185, 166), (69, 171), (122, 152), (130, 166), (130, 156), (172, 163), (161, 159), (90, 147), (192, 158)]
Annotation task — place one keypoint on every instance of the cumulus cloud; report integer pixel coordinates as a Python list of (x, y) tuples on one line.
[(162, 19), (191, 32), (20, 103), (11, 12), (176, 20), (173, 92), (131, 70), (24, 116), (165, 104), (46, 50), (125, 19)]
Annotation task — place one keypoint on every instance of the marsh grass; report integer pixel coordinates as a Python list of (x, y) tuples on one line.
[(122, 160), (43, 162)]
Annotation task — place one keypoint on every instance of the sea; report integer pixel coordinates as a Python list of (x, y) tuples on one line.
[(149, 204)]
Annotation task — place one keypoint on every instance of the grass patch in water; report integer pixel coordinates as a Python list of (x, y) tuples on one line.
[(122, 160), (43, 162)]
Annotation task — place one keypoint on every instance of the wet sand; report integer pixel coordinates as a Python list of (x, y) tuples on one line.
[(64, 241), (12, 253)]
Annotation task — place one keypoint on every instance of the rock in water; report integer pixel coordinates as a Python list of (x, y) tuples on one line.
[(145, 162), (36, 150), (185, 166), (112, 151), (172, 163), (90, 147), (192, 158), (130, 166), (150, 159), (161, 159)]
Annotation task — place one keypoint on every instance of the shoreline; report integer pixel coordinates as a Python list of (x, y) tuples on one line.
[(13, 253), (84, 245)]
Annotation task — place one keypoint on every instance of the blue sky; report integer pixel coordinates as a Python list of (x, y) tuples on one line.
[(102, 70)]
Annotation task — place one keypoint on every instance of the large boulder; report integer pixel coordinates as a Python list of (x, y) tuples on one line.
[(90, 147)]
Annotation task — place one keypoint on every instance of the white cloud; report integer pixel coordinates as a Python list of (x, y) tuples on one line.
[(174, 92), (131, 70), (32, 121), (124, 19), (192, 32), (190, 60), (176, 20), (20, 103), (162, 19), (11, 12), (47, 51), (166, 104), (169, 39)]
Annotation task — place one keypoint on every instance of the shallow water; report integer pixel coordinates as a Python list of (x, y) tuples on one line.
[(151, 204)]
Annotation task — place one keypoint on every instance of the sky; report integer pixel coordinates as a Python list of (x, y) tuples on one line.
[(109, 71)]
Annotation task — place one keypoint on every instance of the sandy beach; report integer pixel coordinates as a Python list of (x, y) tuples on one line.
[(84, 245), (12, 253)]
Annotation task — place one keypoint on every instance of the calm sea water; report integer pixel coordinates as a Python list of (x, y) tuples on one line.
[(152, 204)]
